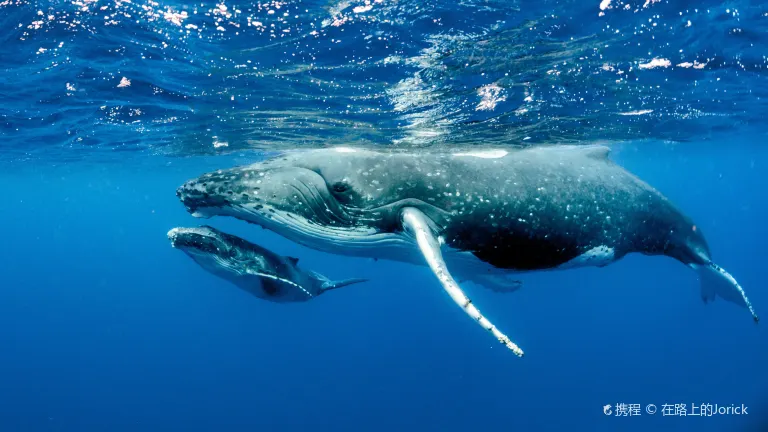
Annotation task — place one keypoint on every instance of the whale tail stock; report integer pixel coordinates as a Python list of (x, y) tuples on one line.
[(715, 281)]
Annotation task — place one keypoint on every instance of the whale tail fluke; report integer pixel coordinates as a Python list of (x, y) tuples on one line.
[(716, 282)]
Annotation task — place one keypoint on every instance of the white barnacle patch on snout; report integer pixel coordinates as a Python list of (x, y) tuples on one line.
[(595, 257), (484, 154)]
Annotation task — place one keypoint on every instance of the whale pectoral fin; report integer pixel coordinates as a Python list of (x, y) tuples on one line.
[(496, 283), (499, 283), (341, 283), (327, 284), (418, 225), (715, 281)]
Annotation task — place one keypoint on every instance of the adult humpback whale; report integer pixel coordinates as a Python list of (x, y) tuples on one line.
[(477, 216), (252, 268)]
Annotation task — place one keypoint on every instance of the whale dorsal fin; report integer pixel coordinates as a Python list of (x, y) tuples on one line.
[(597, 152), (293, 260)]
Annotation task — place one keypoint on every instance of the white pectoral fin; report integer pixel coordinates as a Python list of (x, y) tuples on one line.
[(715, 281), (418, 225), (327, 284), (341, 283)]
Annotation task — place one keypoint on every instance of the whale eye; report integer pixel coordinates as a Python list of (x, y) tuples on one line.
[(340, 187)]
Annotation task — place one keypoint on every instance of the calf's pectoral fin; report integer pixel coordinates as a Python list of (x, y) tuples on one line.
[(496, 283), (499, 283), (341, 283), (715, 281), (327, 284), (418, 225)]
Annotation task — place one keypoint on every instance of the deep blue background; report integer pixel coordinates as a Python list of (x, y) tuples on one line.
[(103, 326)]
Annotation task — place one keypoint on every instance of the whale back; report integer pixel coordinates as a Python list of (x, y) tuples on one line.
[(539, 208)]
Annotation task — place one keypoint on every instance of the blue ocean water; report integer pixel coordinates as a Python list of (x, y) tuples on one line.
[(107, 107)]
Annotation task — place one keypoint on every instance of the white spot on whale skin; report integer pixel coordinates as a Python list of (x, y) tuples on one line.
[(597, 257), (488, 154)]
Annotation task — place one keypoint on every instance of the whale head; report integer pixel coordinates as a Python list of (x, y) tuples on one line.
[(202, 240), (212, 249), (341, 200)]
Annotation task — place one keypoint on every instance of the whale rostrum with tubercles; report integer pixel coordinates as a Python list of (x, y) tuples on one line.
[(254, 269), (479, 216)]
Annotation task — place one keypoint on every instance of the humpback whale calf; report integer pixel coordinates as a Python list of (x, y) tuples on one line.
[(254, 269), (475, 216)]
